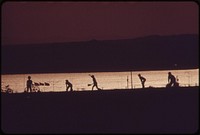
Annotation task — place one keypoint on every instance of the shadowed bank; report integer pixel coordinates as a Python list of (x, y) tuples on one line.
[(150, 110)]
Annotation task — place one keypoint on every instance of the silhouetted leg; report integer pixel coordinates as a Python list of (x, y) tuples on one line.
[(67, 88), (93, 87), (170, 84), (142, 84), (29, 88), (174, 84), (98, 87)]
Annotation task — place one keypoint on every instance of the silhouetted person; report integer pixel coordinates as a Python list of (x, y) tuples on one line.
[(94, 82), (171, 80), (29, 84), (68, 85), (142, 79)]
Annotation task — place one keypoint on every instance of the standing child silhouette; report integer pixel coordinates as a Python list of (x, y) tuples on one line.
[(29, 84)]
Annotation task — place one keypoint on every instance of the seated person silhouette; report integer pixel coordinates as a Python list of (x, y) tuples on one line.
[(142, 79), (68, 86), (94, 82), (171, 80)]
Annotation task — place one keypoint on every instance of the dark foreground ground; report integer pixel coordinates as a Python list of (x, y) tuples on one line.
[(121, 111)]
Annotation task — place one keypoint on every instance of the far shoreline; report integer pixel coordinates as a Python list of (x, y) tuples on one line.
[(134, 70)]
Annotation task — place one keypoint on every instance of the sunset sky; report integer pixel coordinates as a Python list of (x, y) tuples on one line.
[(50, 22)]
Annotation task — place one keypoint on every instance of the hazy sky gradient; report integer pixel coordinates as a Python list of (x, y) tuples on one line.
[(47, 22)]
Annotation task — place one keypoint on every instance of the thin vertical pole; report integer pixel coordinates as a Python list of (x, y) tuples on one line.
[(131, 81), (190, 79), (127, 82), (24, 81), (53, 85)]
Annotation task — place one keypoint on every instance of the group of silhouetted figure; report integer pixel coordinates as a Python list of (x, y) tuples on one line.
[(69, 86), (172, 82)]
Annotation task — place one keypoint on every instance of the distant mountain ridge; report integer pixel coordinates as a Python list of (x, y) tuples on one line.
[(144, 53)]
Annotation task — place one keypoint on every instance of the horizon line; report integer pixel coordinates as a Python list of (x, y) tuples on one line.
[(94, 39)]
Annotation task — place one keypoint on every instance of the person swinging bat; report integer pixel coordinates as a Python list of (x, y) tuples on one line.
[(94, 84)]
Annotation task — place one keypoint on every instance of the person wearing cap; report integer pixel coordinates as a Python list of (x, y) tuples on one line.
[(68, 85)]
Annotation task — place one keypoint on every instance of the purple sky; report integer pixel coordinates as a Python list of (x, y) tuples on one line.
[(47, 22)]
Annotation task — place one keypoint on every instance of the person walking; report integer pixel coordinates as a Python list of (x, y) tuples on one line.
[(94, 82)]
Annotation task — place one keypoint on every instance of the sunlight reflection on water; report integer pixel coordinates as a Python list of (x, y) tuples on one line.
[(106, 80)]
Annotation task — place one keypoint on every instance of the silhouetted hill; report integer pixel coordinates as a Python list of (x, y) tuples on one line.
[(145, 53)]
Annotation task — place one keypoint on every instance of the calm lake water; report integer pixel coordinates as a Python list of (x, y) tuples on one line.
[(106, 80)]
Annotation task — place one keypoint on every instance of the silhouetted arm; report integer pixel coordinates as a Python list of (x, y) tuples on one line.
[(143, 79)]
